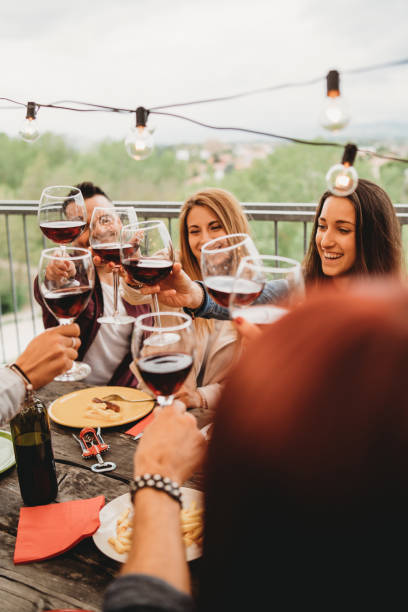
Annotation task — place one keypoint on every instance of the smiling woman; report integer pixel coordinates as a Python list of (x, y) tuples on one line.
[(354, 236)]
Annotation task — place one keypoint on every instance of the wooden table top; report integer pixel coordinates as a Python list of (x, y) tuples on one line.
[(78, 578)]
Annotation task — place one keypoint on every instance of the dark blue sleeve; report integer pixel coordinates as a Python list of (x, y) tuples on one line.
[(209, 309), (143, 593), (272, 292)]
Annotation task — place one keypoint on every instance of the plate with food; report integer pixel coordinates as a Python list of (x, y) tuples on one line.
[(114, 535), (101, 407)]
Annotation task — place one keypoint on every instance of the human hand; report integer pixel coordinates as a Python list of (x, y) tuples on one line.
[(50, 353), (177, 290), (192, 399), (247, 331), (106, 267), (172, 445), (59, 269)]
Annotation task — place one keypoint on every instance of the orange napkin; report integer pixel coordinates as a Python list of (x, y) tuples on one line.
[(47, 531), (141, 425)]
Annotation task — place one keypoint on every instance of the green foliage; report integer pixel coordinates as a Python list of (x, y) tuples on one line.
[(292, 173)]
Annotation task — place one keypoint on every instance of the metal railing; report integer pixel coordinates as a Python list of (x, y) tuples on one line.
[(11, 325)]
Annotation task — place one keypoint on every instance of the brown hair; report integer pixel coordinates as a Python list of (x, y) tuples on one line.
[(228, 210), (308, 463), (378, 235)]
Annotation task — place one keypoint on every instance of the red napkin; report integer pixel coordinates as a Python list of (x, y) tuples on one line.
[(141, 425), (47, 531)]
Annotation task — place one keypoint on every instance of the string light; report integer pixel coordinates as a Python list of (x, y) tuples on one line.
[(139, 141), (335, 115), (342, 179), (29, 129)]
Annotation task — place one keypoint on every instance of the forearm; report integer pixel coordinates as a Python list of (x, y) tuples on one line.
[(133, 296), (158, 549), (12, 391), (206, 308), (273, 292), (211, 394)]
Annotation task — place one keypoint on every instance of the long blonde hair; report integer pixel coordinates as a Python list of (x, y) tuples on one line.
[(228, 210), (233, 220)]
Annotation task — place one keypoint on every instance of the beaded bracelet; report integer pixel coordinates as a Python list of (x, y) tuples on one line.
[(158, 482)]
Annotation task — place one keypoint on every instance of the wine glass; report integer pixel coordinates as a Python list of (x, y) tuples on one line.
[(62, 213), (147, 254), (66, 280), (104, 237), (282, 280), (220, 259), (164, 354)]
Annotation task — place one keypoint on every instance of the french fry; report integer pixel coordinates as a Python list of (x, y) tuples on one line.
[(191, 528)]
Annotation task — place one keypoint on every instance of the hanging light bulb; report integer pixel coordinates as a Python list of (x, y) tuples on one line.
[(335, 115), (342, 179), (29, 130), (139, 141)]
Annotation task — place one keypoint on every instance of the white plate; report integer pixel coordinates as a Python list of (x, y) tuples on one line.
[(6, 451), (111, 512)]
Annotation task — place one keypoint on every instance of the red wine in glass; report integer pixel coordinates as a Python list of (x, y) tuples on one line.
[(165, 373), (110, 252), (62, 213), (68, 302), (62, 232), (221, 287), (147, 271), (66, 278), (164, 347)]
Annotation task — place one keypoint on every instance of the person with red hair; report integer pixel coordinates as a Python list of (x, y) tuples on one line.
[(306, 489)]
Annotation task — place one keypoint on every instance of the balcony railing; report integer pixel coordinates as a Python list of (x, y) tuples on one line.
[(18, 327)]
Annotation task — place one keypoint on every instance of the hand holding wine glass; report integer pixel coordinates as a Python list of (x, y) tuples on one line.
[(62, 213), (66, 295), (105, 239), (164, 354), (147, 254), (282, 280), (220, 259)]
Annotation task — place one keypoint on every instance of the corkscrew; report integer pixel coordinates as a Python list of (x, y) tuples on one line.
[(92, 445)]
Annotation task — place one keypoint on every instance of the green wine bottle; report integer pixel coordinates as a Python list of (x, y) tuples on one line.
[(30, 431)]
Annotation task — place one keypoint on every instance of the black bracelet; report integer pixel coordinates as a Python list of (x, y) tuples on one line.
[(156, 481), (17, 370)]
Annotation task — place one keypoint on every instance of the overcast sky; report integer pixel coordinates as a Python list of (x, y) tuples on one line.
[(155, 52)]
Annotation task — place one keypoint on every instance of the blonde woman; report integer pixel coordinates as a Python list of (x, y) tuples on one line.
[(205, 215)]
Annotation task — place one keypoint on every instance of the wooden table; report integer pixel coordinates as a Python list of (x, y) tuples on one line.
[(78, 578)]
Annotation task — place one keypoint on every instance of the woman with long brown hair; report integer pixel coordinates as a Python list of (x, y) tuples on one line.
[(357, 235), (208, 214)]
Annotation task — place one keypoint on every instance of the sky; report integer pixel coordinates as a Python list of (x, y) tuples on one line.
[(130, 53)]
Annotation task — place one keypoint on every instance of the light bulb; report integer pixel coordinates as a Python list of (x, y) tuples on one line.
[(29, 129), (342, 180), (335, 115), (139, 141)]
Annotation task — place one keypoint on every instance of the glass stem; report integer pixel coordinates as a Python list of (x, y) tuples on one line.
[(156, 308), (165, 400), (115, 291)]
